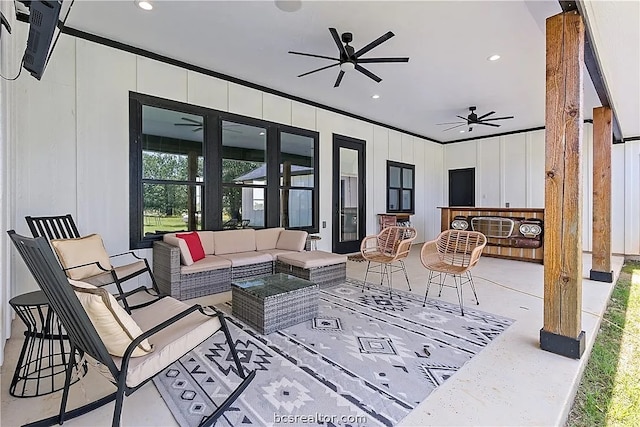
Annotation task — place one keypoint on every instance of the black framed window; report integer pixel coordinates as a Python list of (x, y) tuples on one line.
[(193, 168), (298, 179), (401, 181), (244, 174)]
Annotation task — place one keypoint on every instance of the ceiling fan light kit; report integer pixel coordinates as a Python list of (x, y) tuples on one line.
[(349, 59), (473, 119), (347, 66)]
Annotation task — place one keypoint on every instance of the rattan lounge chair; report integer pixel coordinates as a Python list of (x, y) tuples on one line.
[(170, 327), (453, 253), (387, 251), (64, 227)]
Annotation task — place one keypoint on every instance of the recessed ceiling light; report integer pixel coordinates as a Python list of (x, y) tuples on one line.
[(375, 96), (462, 131), (493, 57), (145, 5), (261, 133), (289, 5)]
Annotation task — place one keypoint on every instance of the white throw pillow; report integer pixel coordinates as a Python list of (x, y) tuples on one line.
[(79, 251), (114, 325)]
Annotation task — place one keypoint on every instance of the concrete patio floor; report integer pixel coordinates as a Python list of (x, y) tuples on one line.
[(510, 383)]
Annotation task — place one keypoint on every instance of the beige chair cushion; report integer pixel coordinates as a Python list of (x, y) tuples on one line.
[(171, 343), (234, 241), (106, 278), (210, 262), (267, 238), (312, 259), (114, 325), (185, 254), (79, 251), (246, 258), (292, 240)]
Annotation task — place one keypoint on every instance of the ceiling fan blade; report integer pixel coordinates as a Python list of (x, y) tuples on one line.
[(463, 118), (197, 129), (313, 55), (368, 73), (498, 118), (463, 124), (486, 115), (187, 124), (319, 69), (191, 120), (376, 60), (336, 38), (373, 44), (230, 130), (450, 123), (339, 79), (487, 124)]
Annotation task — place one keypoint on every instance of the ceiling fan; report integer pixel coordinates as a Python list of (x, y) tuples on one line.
[(198, 125), (350, 59), (191, 122), (473, 119)]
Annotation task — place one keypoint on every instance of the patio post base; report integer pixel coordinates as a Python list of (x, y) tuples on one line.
[(564, 346), (601, 276)]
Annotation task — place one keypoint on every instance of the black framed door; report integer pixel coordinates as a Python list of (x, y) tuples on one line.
[(462, 187), (348, 194)]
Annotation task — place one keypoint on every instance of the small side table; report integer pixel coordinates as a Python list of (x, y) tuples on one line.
[(45, 352), (312, 241)]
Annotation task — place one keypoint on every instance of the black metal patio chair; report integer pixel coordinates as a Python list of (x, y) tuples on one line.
[(64, 227), (172, 327)]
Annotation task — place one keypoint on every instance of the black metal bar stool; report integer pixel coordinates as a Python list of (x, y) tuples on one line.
[(45, 352)]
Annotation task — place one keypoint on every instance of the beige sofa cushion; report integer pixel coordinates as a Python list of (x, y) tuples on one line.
[(267, 238), (208, 244), (114, 325), (185, 254), (275, 252), (206, 238), (170, 343), (210, 262), (234, 241), (292, 240), (246, 258), (312, 259), (79, 251)]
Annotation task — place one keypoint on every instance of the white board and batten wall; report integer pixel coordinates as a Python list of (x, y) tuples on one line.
[(511, 169), (76, 160), (69, 143)]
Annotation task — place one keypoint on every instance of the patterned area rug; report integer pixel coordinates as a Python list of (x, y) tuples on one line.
[(356, 258), (365, 360)]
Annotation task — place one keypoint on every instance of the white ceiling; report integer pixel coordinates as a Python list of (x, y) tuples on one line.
[(448, 43)]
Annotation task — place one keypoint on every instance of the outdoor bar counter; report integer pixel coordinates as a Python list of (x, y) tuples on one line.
[(512, 233)]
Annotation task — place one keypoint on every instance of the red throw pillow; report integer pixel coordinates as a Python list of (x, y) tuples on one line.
[(194, 244)]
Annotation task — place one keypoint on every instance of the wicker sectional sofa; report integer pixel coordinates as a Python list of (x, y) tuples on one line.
[(239, 254)]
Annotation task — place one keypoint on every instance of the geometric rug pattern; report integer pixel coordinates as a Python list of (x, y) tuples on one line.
[(366, 359)]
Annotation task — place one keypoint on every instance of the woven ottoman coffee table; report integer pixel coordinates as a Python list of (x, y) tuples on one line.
[(324, 268), (275, 302)]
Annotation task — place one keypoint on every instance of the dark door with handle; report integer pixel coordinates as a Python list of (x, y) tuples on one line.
[(462, 187), (348, 194)]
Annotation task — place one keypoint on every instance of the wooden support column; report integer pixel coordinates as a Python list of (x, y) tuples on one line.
[(562, 332), (601, 239)]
